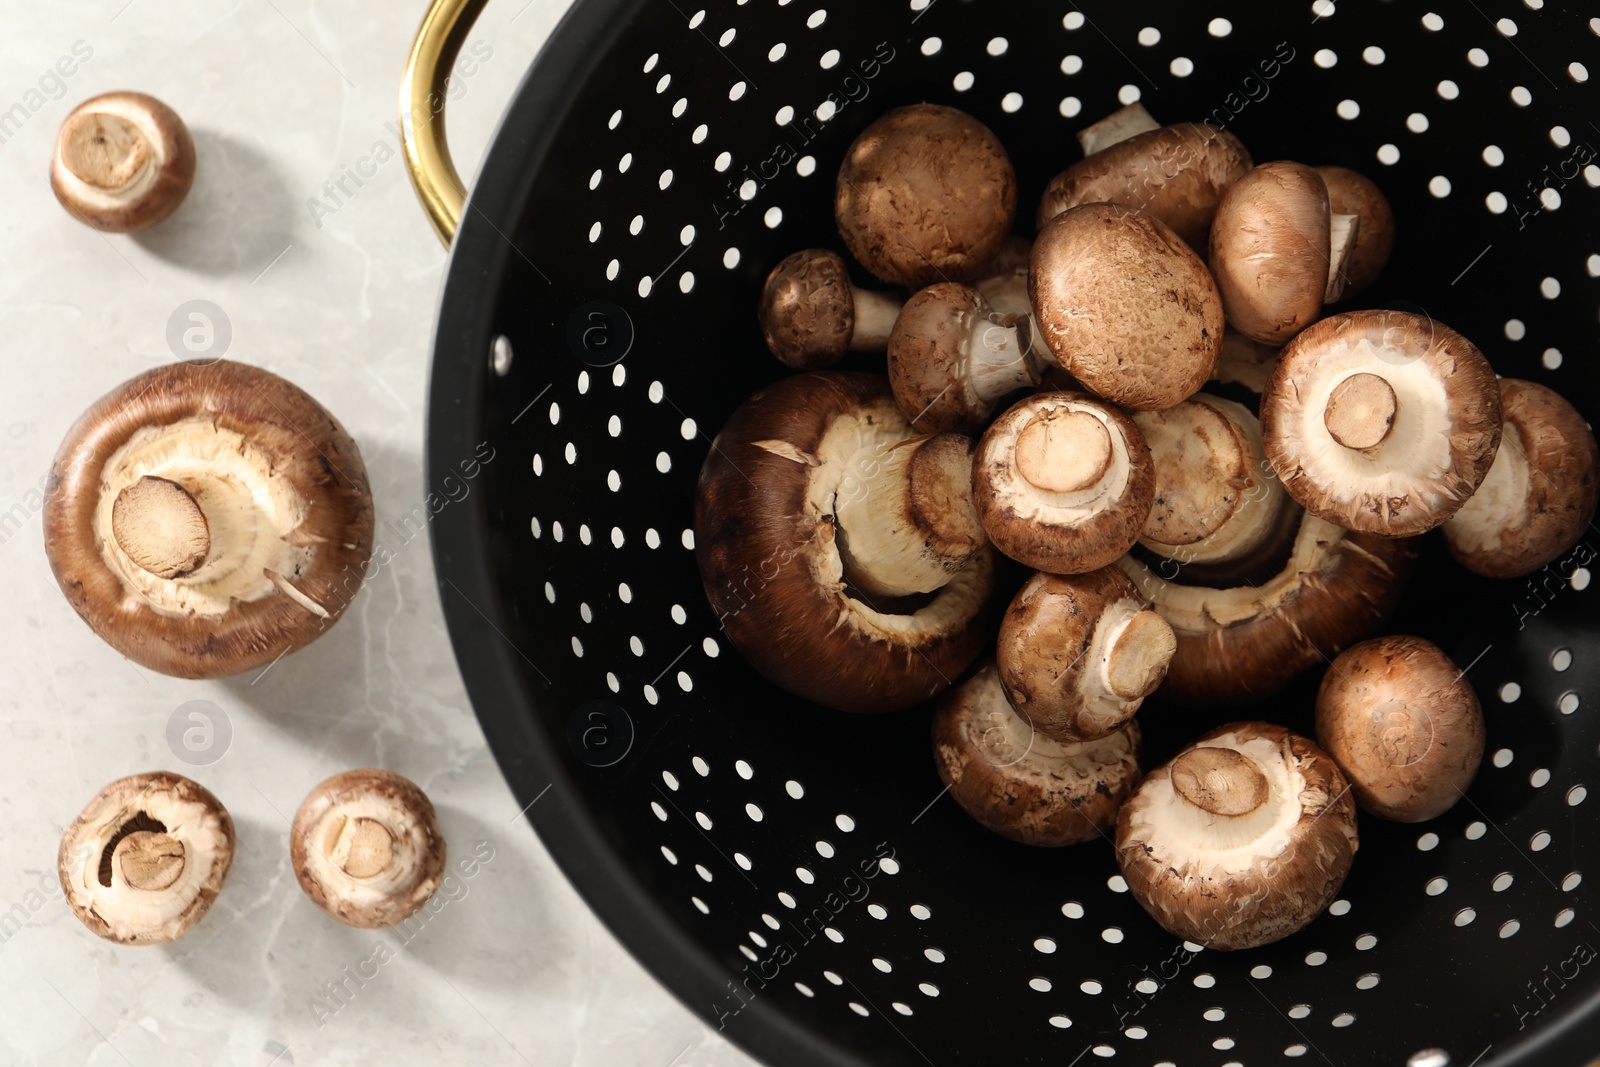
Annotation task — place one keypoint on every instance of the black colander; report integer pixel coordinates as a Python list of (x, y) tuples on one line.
[(795, 874)]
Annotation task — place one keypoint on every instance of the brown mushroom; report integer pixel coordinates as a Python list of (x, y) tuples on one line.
[(1125, 306), (123, 162), (1241, 840), (1352, 193), (206, 518), (1021, 784), (1063, 482), (1403, 724), (1539, 495), (366, 848), (843, 555), (926, 194), (146, 858), (811, 314), (1381, 421), (1078, 654)]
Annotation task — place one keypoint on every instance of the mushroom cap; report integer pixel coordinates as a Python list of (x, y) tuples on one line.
[(926, 194), (123, 161), (808, 311), (1353, 193), (257, 428), (366, 848), (936, 364), (1125, 305), (1539, 495), (1021, 784), (767, 546), (1270, 247), (1445, 406), (146, 858), (1404, 725), (1087, 514), (1247, 641), (1234, 881), (1176, 173)]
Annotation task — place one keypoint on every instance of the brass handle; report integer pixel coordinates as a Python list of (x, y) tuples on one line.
[(433, 174)]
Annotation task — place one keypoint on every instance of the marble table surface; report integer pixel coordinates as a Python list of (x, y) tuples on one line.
[(337, 292)]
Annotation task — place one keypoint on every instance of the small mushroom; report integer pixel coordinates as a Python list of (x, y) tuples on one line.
[(1352, 193), (1278, 251), (366, 848), (842, 555), (1063, 483), (1539, 495), (1241, 840), (1125, 306), (1381, 421), (811, 314), (1078, 654), (1175, 173), (1021, 784), (1403, 724), (123, 162), (926, 194), (146, 858), (206, 518)]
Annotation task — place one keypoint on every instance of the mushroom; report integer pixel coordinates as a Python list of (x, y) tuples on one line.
[(1077, 655), (811, 314), (366, 848), (1351, 193), (1539, 495), (1063, 482), (1125, 306), (1244, 635), (1244, 362), (1241, 840), (842, 555), (1004, 279), (1175, 173), (1278, 251), (925, 194), (1021, 784), (1403, 724), (143, 862), (123, 162), (206, 518), (1381, 421)]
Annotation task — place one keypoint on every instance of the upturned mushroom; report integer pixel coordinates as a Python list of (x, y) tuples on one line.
[(366, 848), (925, 194), (811, 314), (1353, 193), (1381, 421), (143, 862), (1241, 840), (206, 518), (1279, 251), (1078, 654), (842, 554), (1021, 784), (1125, 306), (1404, 725), (1175, 173), (123, 162), (1539, 495), (1063, 482)]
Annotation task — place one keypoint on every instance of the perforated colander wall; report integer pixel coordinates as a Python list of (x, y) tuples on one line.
[(811, 855)]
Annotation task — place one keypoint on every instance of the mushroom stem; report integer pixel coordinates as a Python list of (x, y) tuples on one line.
[(364, 848), (1139, 645), (1342, 233), (104, 150), (148, 860), (161, 527), (1220, 781), (1360, 411), (1121, 124), (1063, 452), (875, 315)]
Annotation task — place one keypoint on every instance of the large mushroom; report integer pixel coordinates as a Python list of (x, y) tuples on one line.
[(926, 194), (1353, 193), (1021, 784), (841, 553), (1381, 421), (1241, 840), (123, 162), (1403, 724), (145, 860), (811, 314), (1078, 654), (206, 518), (1539, 495)]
